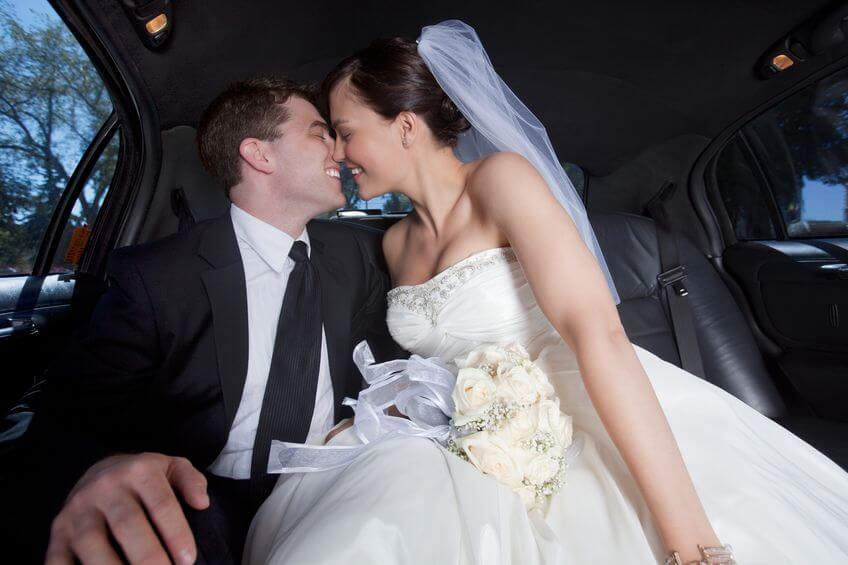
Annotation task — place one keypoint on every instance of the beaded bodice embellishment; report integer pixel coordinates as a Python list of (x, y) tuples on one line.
[(427, 298)]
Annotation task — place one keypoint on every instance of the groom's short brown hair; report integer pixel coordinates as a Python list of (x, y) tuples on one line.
[(249, 108)]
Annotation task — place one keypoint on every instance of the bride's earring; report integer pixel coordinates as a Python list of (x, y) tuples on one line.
[(404, 142)]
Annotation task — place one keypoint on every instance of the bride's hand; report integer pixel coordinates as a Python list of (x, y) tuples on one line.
[(338, 428), (393, 411), (348, 422)]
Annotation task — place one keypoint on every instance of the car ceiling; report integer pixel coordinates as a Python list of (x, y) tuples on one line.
[(608, 79)]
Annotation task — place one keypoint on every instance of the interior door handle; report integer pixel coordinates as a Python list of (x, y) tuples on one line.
[(834, 271), (17, 327)]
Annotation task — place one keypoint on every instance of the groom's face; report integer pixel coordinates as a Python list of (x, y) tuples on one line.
[(304, 168)]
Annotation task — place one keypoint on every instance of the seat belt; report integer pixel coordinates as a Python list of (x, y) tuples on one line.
[(181, 209), (672, 282)]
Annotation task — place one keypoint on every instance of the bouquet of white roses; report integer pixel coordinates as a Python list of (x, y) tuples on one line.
[(507, 421)]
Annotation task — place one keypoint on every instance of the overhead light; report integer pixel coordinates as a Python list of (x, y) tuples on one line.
[(153, 20), (156, 24), (781, 62), (824, 34)]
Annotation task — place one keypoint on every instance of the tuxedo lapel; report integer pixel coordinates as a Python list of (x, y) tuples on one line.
[(335, 310), (227, 292)]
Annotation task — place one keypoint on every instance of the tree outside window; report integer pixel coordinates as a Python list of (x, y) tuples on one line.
[(52, 103)]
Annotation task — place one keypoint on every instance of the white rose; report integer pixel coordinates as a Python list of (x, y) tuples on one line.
[(520, 454), (473, 393), (483, 355), (515, 384), (555, 451), (546, 411), (493, 354), (471, 359), (545, 387), (554, 422), (491, 454), (541, 469), (518, 349), (504, 367), (521, 426)]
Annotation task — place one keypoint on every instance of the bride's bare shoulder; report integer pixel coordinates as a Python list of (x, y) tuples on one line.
[(500, 161), (494, 178)]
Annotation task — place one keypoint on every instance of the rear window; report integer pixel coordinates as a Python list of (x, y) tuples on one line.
[(396, 203), (390, 203)]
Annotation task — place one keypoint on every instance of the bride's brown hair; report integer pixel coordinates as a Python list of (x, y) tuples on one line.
[(391, 77)]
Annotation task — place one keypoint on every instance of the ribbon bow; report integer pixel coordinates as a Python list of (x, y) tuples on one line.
[(419, 388)]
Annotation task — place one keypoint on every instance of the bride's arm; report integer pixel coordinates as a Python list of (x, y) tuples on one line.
[(572, 291)]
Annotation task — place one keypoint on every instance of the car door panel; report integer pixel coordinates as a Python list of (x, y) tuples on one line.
[(800, 300), (31, 332)]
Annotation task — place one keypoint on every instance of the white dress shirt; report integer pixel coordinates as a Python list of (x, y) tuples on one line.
[(265, 253)]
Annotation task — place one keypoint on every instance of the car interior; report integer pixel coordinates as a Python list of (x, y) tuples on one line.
[(708, 141)]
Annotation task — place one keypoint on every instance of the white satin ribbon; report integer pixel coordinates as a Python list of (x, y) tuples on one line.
[(420, 388)]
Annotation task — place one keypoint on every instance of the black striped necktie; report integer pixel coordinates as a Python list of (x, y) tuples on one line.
[(293, 377)]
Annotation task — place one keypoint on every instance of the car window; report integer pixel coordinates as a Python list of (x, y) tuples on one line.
[(391, 203), (577, 177), (785, 174), (747, 201), (84, 212), (396, 203), (52, 103)]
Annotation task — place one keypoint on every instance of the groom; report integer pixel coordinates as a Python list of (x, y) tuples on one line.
[(210, 343)]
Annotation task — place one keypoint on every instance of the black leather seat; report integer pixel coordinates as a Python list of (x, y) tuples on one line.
[(730, 355)]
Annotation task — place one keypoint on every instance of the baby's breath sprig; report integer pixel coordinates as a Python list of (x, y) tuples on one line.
[(493, 418), (540, 442), (456, 450), (489, 369), (552, 485)]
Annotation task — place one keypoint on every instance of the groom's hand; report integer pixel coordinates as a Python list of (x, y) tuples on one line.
[(133, 497)]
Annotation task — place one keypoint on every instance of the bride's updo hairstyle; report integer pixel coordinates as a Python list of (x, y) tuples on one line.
[(391, 77)]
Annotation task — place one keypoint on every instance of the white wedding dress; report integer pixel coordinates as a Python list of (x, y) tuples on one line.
[(769, 494)]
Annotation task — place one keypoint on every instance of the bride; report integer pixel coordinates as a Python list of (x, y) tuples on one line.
[(498, 249)]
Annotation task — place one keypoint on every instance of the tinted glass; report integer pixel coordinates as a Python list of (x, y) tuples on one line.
[(391, 203), (52, 102), (802, 147), (746, 203)]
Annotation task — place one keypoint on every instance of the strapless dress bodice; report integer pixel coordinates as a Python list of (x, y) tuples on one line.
[(485, 298)]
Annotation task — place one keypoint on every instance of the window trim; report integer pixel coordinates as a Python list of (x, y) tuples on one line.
[(79, 178), (755, 158), (138, 161), (703, 187)]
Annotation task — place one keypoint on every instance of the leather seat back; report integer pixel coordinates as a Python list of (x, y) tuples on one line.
[(732, 360), (181, 169)]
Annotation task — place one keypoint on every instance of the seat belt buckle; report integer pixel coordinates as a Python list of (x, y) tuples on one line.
[(674, 277)]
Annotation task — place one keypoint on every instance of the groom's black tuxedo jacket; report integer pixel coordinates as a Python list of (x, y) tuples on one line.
[(163, 362)]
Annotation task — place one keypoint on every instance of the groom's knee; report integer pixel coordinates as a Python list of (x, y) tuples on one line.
[(220, 530)]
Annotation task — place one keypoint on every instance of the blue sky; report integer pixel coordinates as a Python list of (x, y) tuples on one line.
[(30, 11), (822, 201)]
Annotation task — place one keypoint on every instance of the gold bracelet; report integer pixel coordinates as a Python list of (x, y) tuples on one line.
[(721, 555)]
